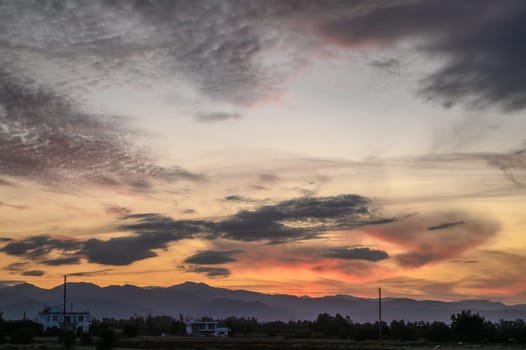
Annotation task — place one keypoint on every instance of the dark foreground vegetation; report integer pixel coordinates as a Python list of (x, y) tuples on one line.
[(465, 327)]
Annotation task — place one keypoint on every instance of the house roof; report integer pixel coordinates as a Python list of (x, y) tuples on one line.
[(59, 310)]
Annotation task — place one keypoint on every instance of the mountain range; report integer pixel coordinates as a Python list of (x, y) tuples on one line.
[(198, 299)]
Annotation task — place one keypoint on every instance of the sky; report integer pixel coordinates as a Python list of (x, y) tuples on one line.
[(312, 147)]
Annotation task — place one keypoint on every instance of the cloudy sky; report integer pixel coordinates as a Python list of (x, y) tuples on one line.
[(284, 146)]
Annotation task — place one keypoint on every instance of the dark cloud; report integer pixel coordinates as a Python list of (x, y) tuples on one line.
[(189, 211), (259, 188), (484, 58), (220, 47), (6, 183), (234, 198), (5, 239), (73, 260), (390, 63), (445, 225), (301, 218), (152, 232), (16, 266), (37, 247), (151, 224), (291, 220), (238, 198), (466, 261), (90, 273), (212, 257), (357, 254), (268, 178), (33, 273), (130, 248), (211, 271), (214, 117), (117, 210), (19, 207)]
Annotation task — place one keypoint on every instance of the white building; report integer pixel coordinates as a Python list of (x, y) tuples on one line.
[(54, 317), (205, 328)]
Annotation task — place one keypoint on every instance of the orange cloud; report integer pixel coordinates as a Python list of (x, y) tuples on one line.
[(437, 237)]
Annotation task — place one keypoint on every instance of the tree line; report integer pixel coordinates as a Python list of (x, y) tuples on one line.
[(465, 326)]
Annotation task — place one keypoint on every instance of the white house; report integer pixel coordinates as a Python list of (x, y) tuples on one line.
[(54, 317), (205, 328)]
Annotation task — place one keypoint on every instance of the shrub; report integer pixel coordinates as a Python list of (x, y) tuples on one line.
[(108, 340), (22, 336)]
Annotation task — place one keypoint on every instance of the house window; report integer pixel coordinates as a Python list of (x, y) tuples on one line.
[(49, 318), (55, 318), (81, 318), (68, 319)]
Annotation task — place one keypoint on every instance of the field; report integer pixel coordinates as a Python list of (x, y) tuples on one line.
[(210, 343)]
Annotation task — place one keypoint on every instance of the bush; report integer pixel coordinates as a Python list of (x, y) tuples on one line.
[(108, 340), (130, 331), (85, 339), (67, 339), (22, 336)]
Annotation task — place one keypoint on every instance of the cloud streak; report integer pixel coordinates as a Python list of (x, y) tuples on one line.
[(214, 117), (34, 273), (357, 254), (211, 271), (212, 257)]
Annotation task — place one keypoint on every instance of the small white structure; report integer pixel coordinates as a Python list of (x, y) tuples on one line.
[(205, 328), (54, 317)]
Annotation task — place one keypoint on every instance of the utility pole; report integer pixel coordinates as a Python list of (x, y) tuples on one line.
[(380, 317), (64, 316)]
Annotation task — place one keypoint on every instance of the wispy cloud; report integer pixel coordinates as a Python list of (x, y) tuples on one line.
[(360, 253), (19, 207), (118, 210), (35, 273), (214, 117), (211, 271), (18, 266), (212, 257), (445, 225), (424, 245), (46, 137), (389, 64)]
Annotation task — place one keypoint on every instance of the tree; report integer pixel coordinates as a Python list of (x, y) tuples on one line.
[(439, 332), (470, 327)]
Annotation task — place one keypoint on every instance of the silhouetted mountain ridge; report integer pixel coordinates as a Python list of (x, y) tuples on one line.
[(199, 299)]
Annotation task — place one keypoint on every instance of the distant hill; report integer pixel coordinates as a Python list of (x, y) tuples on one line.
[(198, 299)]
